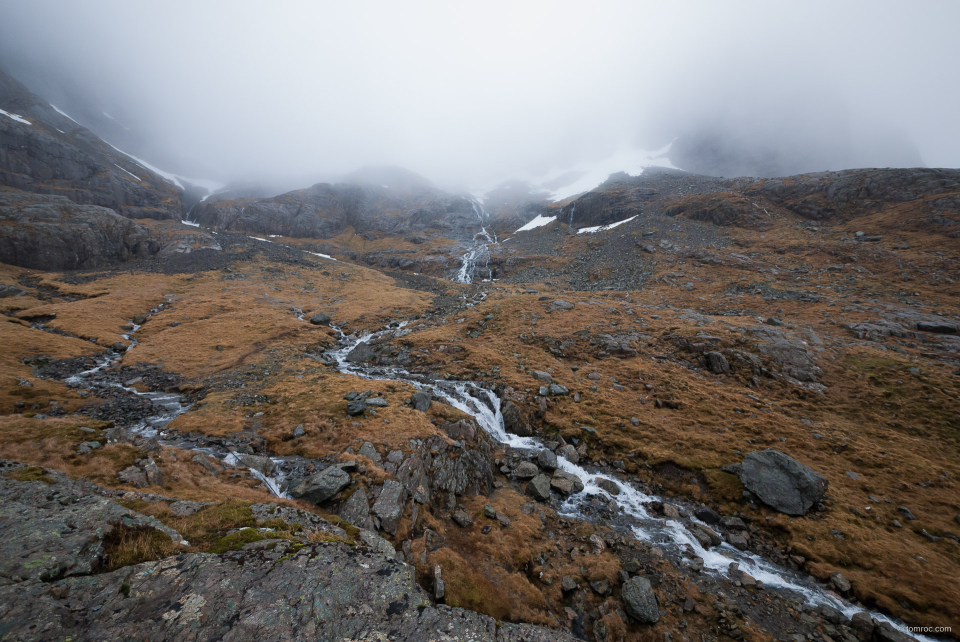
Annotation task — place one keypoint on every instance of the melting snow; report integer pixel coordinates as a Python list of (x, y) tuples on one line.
[(190, 223), (323, 256), (256, 238), (540, 221), (16, 117), (604, 228)]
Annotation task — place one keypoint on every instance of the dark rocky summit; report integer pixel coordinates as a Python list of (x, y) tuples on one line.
[(46, 152), (44, 232)]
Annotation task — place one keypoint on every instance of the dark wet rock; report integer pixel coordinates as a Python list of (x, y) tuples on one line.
[(569, 453), (389, 505), (539, 488), (321, 486), (862, 624), (421, 401), (357, 407), (782, 482), (639, 600), (565, 483), (707, 515), (362, 353), (608, 486), (717, 363), (513, 421), (356, 510), (547, 460), (320, 318), (938, 327), (56, 527)]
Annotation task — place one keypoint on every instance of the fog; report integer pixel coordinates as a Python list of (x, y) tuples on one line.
[(470, 94)]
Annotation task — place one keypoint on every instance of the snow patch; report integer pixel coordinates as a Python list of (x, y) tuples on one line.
[(540, 221), (190, 223), (120, 168), (257, 238), (604, 228), (322, 256), (16, 117), (62, 113)]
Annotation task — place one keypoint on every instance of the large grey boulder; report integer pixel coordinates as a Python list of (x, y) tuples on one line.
[(356, 510), (782, 482), (322, 486), (639, 600)]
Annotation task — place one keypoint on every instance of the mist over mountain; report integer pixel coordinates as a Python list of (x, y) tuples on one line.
[(472, 97)]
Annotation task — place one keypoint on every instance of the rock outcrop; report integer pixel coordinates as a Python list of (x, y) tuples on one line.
[(44, 232), (268, 590)]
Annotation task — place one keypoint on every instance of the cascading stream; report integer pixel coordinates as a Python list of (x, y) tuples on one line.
[(480, 249), (484, 406), (172, 405)]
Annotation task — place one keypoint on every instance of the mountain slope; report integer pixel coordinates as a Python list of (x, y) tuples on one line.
[(43, 150)]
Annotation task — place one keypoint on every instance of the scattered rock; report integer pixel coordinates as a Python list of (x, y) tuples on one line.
[(421, 401), (320, 318), (322, 486), (639, 600), (526, 470), (462, 518), (539, 488)]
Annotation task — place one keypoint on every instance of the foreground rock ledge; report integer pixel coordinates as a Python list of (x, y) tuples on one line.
[(322, 592)]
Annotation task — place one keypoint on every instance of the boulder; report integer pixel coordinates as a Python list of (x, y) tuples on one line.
[(363, 352), (539, 488), (356, 510), (782, 482), (320, 318), (526, 470), (389, 505), (569, 453), (565, 483), (421, 401), (639, 600), (322, 486), (717, 363), (547, 460)]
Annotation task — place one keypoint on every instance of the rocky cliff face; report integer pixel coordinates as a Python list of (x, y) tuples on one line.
[(53, 233), (326, 210), (44, 151)]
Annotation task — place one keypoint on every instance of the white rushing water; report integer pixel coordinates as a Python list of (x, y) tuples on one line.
[(480, 251), (484, 406)]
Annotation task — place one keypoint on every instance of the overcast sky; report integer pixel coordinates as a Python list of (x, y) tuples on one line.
[(472, 92)]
